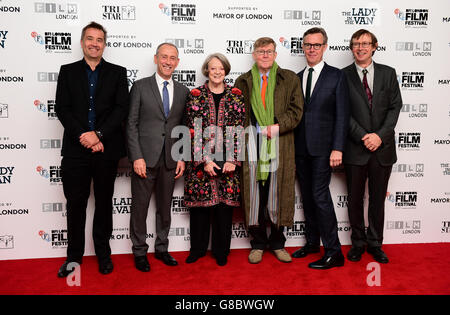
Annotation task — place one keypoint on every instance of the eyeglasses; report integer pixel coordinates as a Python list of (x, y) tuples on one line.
[(263, 52), (363, 44), (307, 46)]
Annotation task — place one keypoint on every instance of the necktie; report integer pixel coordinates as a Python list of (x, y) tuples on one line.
[(166, 99), (308, 85), (366, 88), (263, 90)]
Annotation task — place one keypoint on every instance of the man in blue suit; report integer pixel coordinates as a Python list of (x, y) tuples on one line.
[(319, 143)]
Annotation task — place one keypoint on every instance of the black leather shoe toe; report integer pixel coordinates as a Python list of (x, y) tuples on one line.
[(141, 263), (106, 267), (378, 255), (305, 251), (166, 258), (355, 254), (67, 268), (327, 262)]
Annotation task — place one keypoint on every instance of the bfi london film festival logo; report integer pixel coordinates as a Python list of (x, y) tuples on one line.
[(58, 42), (417, 49), (293, 44), (188, 46), (360, 16), (3, 110), (309, 18), (415, 110), (413, 18), (239, 47), (61, 11), (404, 200), (47, 108), (408, 141), (297, 230), (185, 77), (180, 13), (119, 12), (445, 227), (3, 38), (412, 81), (53, 174), (56, 238), (178, 207)]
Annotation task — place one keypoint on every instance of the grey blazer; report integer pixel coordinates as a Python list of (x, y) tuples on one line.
[(148, 130), (386, 104)]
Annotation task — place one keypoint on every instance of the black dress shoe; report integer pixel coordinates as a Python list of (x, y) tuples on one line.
[(305, 250), (141, 263), (378, 254), (192, 258), (105, 267), (166, 258), (65, 270), (327, 262), (355, 253), (221, 260)]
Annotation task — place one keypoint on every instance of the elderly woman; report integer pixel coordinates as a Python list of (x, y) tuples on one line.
[(214, 115)]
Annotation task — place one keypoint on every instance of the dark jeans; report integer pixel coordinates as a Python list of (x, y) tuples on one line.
[(77, 174)]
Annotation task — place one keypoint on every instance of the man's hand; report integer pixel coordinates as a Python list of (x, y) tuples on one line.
[(335, 158), (271, 131), (98, 147), (180, 169), (372, 141), (140, 168), (89, 139)]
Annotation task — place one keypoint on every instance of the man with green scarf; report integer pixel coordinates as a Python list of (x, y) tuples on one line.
[(273, 107)]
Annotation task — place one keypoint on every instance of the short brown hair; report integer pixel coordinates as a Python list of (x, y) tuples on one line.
[(317, 30), (96, 26), (223, 60), (360, 33), (264, 41)]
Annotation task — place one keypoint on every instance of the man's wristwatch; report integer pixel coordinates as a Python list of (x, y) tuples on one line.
[(99, 134)]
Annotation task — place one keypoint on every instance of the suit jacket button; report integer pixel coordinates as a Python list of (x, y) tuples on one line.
[(163, 134)]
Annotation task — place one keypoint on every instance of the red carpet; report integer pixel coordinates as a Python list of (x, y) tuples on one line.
[(413, 269)]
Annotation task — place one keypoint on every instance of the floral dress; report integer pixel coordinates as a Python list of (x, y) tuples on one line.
[(210, 131)]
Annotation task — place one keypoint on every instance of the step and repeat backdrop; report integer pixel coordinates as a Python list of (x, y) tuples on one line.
[(37, 37)]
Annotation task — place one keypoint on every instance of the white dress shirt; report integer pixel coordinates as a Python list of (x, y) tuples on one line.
[(315, 75), (369, 74)]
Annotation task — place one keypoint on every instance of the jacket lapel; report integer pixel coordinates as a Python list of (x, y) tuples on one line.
[(84, 80), (156, 93), (319, 82), (103, 75), (356, 81)]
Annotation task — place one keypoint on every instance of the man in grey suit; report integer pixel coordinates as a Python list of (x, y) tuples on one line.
[(156, 107), (375, 102)]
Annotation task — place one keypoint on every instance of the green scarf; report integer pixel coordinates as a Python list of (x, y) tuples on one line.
[(265, 117)]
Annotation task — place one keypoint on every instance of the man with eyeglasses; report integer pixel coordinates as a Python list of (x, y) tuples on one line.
[(375, 104), (273, 106), (319, 144)]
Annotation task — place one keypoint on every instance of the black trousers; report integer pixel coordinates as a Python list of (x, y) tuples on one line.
[(220, 218), (378, 178), (77, 174), (314, 175), (261, 240)]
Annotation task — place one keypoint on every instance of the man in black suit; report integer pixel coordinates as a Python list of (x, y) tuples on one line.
[(375, 103), (92, 105), (319, 143), (156, 107)]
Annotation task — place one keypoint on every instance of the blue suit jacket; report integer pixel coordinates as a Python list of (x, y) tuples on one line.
[(325, 120)]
